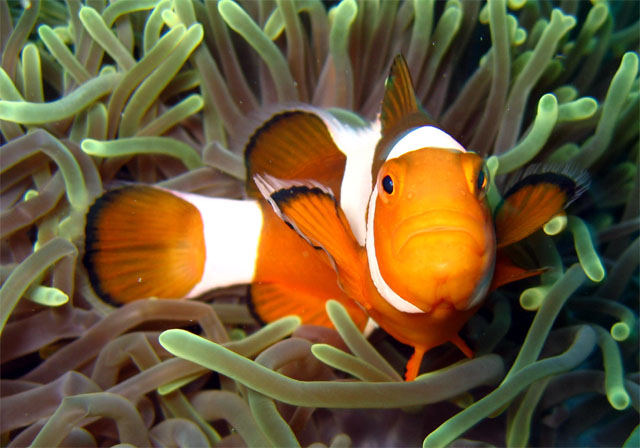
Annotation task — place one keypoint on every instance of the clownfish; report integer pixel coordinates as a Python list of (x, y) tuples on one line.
[(391, 220)]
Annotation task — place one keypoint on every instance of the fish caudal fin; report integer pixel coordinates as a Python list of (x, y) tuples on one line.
[(313, 212), (294, 144), (534, 197), (143, 242)]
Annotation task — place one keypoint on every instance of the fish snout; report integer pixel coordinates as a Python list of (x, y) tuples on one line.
[(440, 257), (440, 230)]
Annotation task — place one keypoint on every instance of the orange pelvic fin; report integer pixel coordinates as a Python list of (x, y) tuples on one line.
[(462, 346), (294, 144), (534, 197), (313, 212), (413, 365), (143, 242)]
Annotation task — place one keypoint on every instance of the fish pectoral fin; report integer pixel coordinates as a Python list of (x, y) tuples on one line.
[(534, 197), (271, 301), (312, 211), (506, 271), (294, 144)]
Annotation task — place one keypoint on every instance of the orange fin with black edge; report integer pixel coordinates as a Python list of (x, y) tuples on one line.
[(534, 197), (313, 212), (294, 144), (399, 96), (507, 272), (400, 110), (143, 242)]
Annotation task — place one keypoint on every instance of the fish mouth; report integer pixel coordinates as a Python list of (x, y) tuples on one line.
[(440, 223)]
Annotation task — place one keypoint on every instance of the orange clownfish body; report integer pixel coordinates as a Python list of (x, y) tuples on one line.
[(390, 219)]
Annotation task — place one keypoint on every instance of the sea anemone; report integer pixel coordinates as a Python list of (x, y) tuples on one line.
[(157, 91)]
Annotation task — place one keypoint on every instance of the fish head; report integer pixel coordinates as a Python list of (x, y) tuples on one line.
[(430, 235)]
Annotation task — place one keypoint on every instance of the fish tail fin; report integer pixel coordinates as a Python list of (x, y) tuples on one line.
[(143, 242)]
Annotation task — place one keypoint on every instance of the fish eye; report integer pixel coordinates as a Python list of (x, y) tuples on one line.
[(387, 184)]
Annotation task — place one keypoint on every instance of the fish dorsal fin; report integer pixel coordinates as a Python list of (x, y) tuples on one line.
[(399, 100), (294, 144), (534, 197), (313, 212), (400, 113)]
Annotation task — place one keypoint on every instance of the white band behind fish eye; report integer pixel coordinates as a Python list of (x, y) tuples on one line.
[(383, 288), (424, 137)]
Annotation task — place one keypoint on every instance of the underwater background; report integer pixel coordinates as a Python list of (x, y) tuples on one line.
[(96, 93)]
